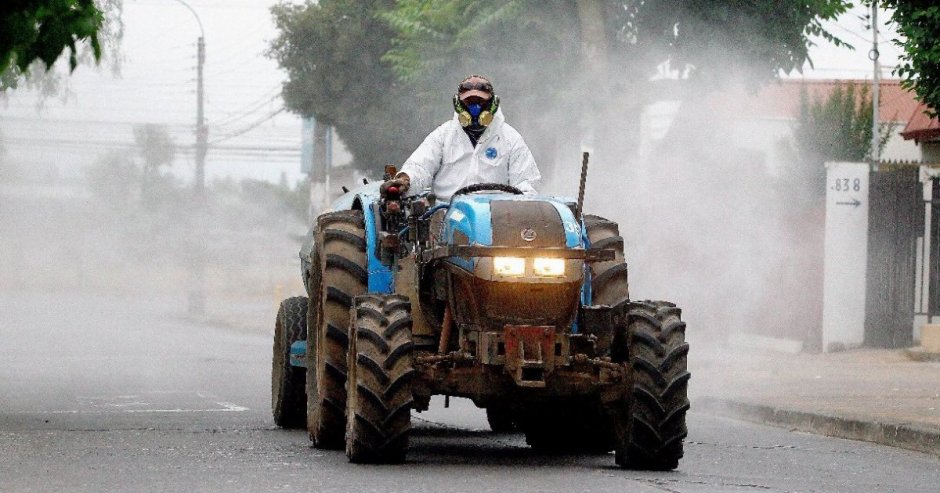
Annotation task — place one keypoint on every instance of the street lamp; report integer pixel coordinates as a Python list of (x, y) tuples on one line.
[(197, 263), (202, 132)]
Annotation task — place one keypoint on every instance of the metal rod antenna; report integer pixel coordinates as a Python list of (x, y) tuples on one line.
[(584, 169)]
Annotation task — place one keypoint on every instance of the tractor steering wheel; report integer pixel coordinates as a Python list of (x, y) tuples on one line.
[(481, 187)]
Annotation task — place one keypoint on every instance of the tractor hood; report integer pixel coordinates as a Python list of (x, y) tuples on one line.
[(528, 227)]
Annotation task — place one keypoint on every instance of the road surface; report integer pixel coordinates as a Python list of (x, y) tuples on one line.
[(98, 393)]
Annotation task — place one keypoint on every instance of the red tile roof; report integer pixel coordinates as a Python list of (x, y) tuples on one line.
[(782, 99), (921, 127)]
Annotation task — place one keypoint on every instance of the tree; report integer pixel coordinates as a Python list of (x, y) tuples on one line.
[(918, 22), (382, 71), (596, 59), (835, 128), (702, 37), (332, 51), (35, 33), (156, 149), (155, 146), (41, 30)]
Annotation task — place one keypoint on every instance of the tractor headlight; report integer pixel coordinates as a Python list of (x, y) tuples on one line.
[(509, 266), (549, 267)]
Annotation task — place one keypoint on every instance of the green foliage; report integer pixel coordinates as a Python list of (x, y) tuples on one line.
[(709, 38), (528, 48), (156, 150), (731, 37), (40, 30), (835, 128), (332, 51), (383, 71), (155, 146), (918, 23)]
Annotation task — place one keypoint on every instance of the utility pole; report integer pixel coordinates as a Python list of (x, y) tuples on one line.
[(876, 86), (202, 132), (196, 296), (197, 288), (320, 174)]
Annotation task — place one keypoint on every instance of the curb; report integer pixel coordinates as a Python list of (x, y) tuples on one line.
[(921, 354), (902, 435)]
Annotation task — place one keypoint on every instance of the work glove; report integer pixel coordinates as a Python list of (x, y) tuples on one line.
[(401, 181)]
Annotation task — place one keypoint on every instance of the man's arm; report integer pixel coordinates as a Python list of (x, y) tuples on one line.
[(424, 162), (523, 172)]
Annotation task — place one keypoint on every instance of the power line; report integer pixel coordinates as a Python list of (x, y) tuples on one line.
[(853, 33), (248, 128), (252, 107)]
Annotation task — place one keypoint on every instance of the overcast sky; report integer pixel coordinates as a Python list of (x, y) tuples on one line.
[(157, 85)]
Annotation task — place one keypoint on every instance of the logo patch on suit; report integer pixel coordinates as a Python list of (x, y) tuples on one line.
[(491, 153)]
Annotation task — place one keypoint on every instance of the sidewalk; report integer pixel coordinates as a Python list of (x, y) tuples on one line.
[(880, 396)]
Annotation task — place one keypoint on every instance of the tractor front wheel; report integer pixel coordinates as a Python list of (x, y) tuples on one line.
[(650, 423), (381, 369), (339, 273)]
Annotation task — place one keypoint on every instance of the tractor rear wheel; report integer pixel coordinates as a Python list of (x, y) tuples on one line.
[(338, 275), (288, 393), (650, 424), (380, 373), (609, 284)]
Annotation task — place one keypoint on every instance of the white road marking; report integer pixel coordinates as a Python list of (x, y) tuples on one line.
[(107, 404)]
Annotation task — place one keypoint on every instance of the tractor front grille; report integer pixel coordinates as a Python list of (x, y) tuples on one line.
[(495, 304)]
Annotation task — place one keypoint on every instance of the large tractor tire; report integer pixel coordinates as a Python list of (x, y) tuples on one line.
[(288, 393), (650, 426), (609, 284), (381, 369), (338, 275)]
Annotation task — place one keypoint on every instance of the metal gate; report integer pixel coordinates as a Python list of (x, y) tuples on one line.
[(895, 223)]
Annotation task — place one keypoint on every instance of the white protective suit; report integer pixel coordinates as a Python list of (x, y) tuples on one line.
[(446, 161)]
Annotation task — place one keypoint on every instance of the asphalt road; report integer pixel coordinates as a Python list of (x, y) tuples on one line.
[(101, 394)]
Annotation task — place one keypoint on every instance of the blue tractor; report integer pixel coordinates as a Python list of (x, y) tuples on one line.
[(516, 302)]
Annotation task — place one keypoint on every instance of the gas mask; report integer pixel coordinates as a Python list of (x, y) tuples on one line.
[(476, 114)]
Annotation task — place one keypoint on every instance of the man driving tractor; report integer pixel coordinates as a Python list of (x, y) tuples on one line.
[(475, 146)]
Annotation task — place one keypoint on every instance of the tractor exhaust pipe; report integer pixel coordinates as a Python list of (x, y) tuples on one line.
[(584, 167)]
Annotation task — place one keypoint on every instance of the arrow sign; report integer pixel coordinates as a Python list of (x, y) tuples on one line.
[(854, 203)]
